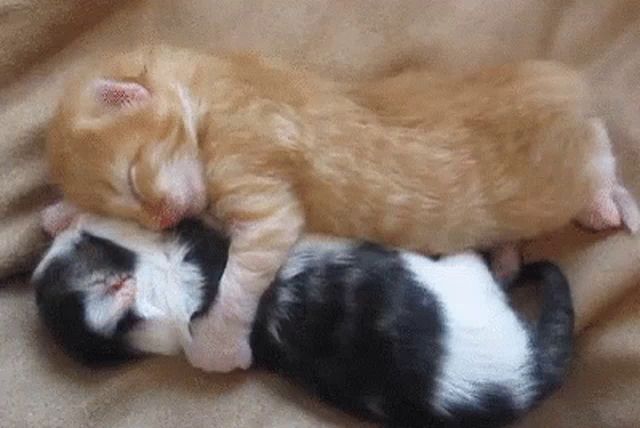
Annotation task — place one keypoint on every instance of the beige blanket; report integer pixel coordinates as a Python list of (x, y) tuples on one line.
[(42, 40)]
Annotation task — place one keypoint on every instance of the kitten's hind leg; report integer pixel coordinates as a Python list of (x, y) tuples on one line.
[(611, 205)]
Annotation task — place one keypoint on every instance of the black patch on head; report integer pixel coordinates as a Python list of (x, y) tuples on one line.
[(61, 305), (208, 251), (103, 253)]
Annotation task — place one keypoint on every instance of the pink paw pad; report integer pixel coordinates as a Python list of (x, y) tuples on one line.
[(611, 209), (601, 214)]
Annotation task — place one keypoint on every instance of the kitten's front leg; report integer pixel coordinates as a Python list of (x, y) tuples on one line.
[(259, 245)]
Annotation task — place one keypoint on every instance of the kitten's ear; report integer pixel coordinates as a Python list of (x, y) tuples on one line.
[(57, 217), (119, 94)]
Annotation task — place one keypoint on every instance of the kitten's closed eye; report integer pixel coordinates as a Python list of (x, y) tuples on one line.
[(168, 183), (131, 177), (155, 207)]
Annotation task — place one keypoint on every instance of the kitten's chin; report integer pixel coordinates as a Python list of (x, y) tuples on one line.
[(198, 204), (169, 214)]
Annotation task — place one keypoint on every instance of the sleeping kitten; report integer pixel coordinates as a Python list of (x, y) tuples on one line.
[(391, 335), (413, 161)]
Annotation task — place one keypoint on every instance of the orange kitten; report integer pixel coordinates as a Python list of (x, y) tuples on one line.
[(432, 164)]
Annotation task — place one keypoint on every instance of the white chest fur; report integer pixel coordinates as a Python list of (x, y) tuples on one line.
[(169, 291)]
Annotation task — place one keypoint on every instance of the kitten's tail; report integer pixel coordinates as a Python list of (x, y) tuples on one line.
[(553, 335)]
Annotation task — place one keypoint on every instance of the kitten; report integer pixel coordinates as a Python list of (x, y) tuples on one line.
[(391, 335), (413, 161)]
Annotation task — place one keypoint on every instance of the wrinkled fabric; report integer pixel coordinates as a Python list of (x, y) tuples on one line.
[(42, 41)]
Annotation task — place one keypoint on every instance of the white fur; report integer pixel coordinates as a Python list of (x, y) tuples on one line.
[(484, 342), (314, 247), (167, 309), (286, 131), (63, 244), (103, 310), (166, 291), (126, 234), (188, 112), (603, 160), (181, 179)]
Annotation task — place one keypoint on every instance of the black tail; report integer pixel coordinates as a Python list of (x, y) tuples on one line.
[(553, 335)]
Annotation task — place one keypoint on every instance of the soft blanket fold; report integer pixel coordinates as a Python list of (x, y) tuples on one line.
[(40, 42)]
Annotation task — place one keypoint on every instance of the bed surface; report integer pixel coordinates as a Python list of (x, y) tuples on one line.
[(41, 41)]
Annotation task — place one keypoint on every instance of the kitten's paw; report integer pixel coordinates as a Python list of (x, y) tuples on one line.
[(505, 262), (602, 212), (610, 209), (219, 344), (628, 208)]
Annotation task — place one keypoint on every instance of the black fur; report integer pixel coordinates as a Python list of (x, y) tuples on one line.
[(363, 336), (494, 409), (358, 331), (208, 251), (333, 340), (62, 309), (553, 336)]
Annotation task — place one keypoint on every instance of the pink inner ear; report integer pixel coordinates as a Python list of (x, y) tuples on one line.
[(116, 93), (58, 217)]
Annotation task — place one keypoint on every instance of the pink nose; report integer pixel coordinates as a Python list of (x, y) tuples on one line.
[(169, 215), (168, 221)]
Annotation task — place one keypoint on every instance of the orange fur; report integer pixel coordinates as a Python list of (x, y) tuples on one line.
[(416, 160)]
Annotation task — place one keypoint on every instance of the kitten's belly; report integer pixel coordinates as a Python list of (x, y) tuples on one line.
[(414, 227), (445, 197), (417, 222)]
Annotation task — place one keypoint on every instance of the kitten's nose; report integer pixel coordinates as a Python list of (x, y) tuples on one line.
[(167, 222), (169, 215)]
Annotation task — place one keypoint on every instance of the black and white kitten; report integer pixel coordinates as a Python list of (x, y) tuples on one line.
[(391, 335)]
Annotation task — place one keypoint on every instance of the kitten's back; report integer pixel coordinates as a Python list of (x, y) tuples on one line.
[(420, 162), (450, 164), (403, 338)]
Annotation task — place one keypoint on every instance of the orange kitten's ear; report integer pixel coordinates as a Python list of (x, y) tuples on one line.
[(115, 93)]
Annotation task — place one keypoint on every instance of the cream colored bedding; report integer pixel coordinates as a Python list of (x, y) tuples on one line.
[(40, 41)]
